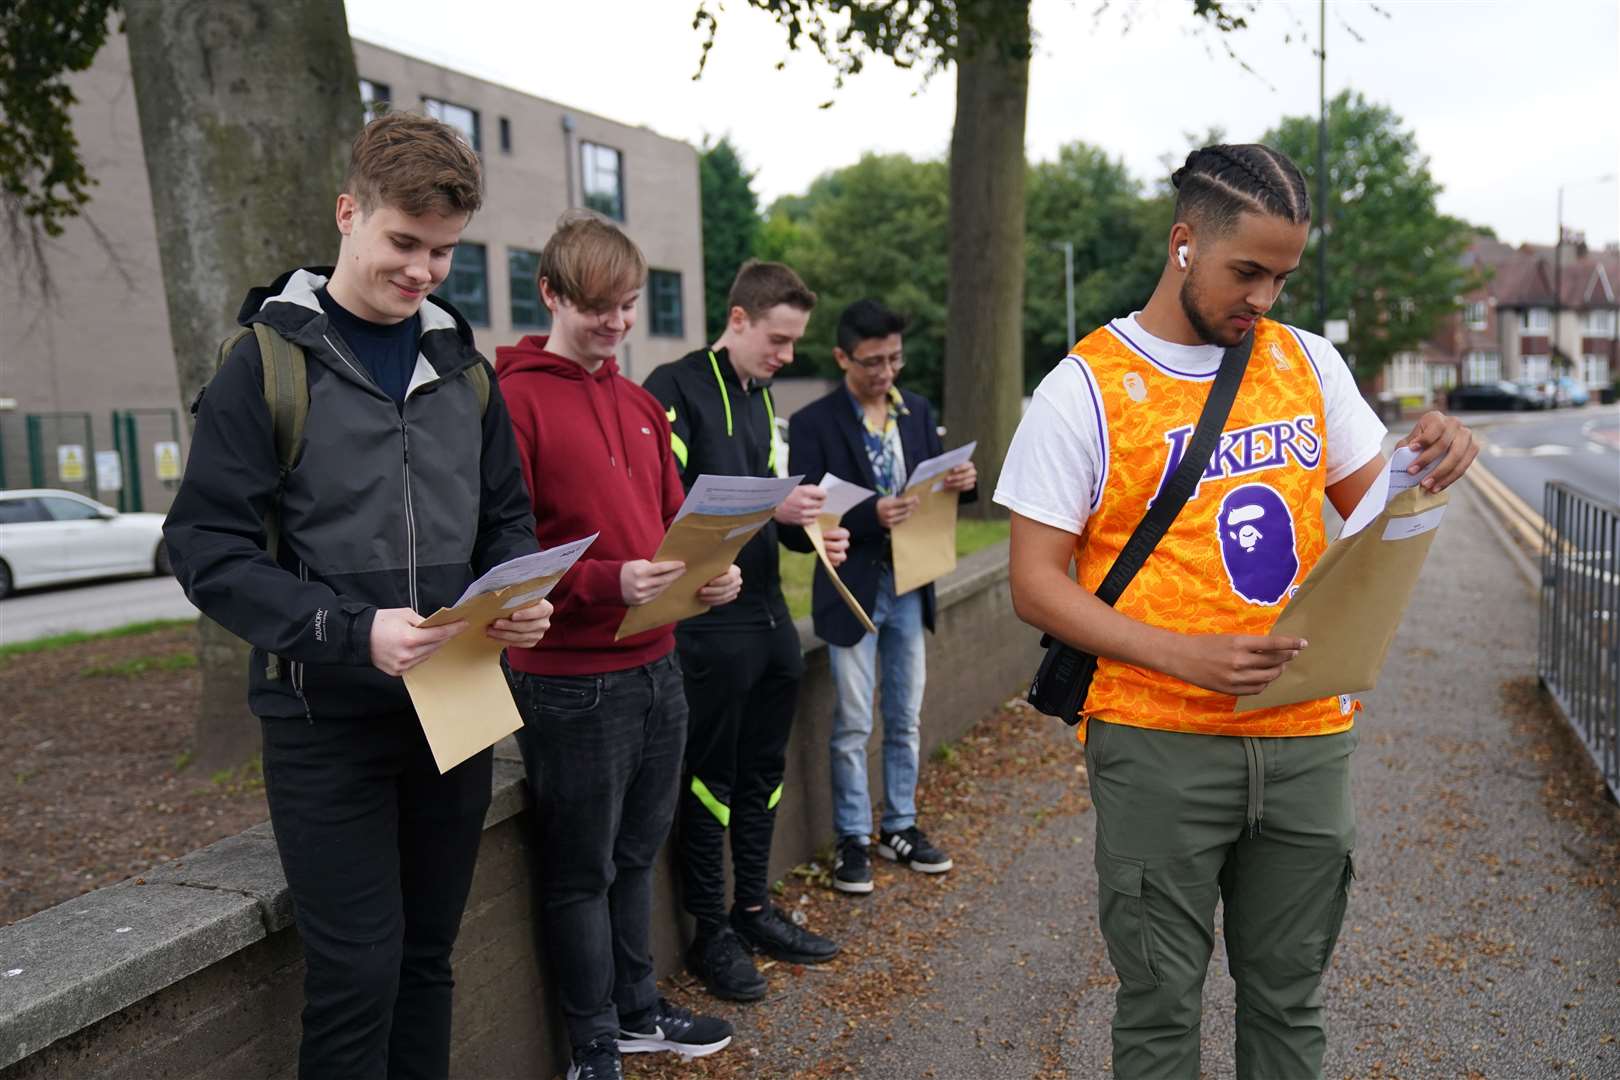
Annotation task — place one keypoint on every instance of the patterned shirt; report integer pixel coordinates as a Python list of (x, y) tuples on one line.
[(883, 448)]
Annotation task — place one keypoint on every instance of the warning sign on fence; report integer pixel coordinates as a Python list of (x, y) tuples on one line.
[(109, 471), (167, 455), (70, 463)]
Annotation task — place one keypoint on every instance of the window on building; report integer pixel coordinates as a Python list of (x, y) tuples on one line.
[(602, 175), (527, 310), (1536, 368), (1536, 318), (373, 97), (467, 286), (1474, 314), (1442, 376), (1599, 322), (1406, 374), (1595, 369), (1482, 367), (460, 117), (668, 315), (506, 135)]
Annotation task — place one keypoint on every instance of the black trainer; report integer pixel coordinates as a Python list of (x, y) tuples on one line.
[(770, 932), (727, 971), (670, 1027), (852, 869), (909, 847), (596, 1060)]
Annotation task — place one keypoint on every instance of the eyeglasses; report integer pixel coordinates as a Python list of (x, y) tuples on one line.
[(894, 360)]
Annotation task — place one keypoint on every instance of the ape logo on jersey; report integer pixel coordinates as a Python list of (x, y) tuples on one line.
[(1249, 450), (1257, 543)]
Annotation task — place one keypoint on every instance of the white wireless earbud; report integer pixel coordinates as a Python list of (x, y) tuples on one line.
[(1181, 255)]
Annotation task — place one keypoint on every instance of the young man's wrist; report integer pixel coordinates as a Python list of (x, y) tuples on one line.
[(357, 641)]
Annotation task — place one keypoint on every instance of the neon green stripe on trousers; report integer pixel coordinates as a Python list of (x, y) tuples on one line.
[(721, 812)]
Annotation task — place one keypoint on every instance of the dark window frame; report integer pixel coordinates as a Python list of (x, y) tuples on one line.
[(475, 311), (525, 278), (506, 134), (428, 100), (659, 322), (587, 171)]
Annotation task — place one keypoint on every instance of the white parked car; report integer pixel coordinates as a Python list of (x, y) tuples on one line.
[(47, 537)]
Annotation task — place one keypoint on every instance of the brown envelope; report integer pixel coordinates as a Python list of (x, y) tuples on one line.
[(460, 693), (815, 530), (924, 544), (1350, 604), (708, 545)]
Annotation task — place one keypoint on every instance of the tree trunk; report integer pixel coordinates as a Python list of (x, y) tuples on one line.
[(247, 108), (984, 345)]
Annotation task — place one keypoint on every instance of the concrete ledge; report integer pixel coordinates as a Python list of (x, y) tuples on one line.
[(198, 971)]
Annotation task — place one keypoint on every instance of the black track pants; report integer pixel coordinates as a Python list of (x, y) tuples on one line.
[(742, 688)]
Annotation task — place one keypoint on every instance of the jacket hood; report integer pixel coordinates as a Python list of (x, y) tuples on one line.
[(289, 303), (530, 354)]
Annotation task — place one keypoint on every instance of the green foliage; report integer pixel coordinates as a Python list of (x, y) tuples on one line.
[(798, 569), (1393, 266), (76, 637), (141, 665), (731, 226), (42, 180), (873, 229)]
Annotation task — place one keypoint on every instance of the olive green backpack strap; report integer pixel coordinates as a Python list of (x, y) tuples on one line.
[(478, 375), (286, 392)]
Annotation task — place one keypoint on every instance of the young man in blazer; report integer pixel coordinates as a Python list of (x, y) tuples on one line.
[(870, 432)]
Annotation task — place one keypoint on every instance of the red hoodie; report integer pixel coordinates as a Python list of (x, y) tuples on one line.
[(596, 454)]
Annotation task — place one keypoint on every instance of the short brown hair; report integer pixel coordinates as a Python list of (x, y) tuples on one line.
[(414, 164), (590, 262), (760, 286)]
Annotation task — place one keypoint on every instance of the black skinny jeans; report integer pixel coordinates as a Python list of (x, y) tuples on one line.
[(379, 851), (603, 754)]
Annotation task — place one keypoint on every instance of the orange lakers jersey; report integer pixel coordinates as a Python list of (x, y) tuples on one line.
[(1246, 538)]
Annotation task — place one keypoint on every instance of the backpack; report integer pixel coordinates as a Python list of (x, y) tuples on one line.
[(286, 392)]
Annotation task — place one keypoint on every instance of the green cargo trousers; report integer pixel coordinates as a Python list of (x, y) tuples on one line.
[(1266, 826)]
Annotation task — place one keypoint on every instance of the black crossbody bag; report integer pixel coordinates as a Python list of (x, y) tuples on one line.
[(1064, 677)]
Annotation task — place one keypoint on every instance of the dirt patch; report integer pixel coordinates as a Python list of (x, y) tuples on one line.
[(94, 738)]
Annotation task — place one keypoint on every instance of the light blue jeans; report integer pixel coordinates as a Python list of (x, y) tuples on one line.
[(899, 651)]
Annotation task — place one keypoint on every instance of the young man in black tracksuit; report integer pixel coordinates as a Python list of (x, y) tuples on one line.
[(742, 662), (377, 846)]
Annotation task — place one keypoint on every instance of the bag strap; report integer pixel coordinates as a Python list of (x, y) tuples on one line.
[(478, 375), (286, 392), (1156, 522)]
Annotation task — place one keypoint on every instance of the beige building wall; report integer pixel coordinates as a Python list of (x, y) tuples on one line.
[(101, 341)]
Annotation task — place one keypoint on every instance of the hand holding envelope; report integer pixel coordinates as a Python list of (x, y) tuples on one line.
[(842, 497), (924, 542)]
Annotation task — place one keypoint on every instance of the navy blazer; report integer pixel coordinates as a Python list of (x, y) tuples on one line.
[(825, 437)]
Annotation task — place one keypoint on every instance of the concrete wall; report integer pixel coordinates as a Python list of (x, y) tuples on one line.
[(101, 341), (195, 973)]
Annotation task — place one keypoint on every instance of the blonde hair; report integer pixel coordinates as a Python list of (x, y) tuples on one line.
[(414, 164), (590, 262)]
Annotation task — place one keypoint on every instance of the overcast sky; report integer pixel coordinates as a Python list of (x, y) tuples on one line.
[(1509, 98)]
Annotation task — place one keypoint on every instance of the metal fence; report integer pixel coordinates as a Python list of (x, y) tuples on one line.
[(1578, 658)]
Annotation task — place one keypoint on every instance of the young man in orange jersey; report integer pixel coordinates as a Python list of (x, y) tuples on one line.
[(1196, 803)]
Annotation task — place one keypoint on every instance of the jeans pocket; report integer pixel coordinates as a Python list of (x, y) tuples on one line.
[(1122, 911), (563, 695)]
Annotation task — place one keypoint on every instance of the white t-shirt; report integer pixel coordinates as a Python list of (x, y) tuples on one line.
[(1058, 454)]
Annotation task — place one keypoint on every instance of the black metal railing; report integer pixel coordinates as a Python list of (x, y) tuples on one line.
[(1578, 658)]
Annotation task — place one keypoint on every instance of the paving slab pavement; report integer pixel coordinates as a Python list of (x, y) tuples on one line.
[(1482, 938)]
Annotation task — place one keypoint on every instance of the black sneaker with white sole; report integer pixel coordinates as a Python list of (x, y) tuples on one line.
[(852, 869), (909, 847), (596, 1060), (770, 932), (670, 1027)]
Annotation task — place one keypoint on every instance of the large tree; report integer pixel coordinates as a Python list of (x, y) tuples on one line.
[(247, 108), (989, 42), (730, 226), (1393, 266)]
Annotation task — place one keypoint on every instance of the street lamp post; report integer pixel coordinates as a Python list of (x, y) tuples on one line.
[(1558, 264), (1067, 247)]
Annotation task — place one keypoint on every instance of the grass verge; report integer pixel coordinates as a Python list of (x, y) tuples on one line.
[(798, 569), (22, 648)]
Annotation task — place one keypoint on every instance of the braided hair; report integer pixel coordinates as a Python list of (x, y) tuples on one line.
[(1219, 183)]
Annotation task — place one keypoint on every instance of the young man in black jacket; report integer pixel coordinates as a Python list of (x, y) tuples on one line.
[(377, 846), (870, 432), (742, 662)]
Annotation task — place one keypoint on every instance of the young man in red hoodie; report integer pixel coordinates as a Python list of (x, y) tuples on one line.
[(604, 721)]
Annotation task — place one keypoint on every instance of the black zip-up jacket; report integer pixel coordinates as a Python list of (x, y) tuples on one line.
[(720, 428), (390, 505)]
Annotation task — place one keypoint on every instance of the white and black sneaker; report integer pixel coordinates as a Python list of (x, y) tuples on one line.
[(852, 870), (596, 1060), (909, 847), (670, 1027)]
